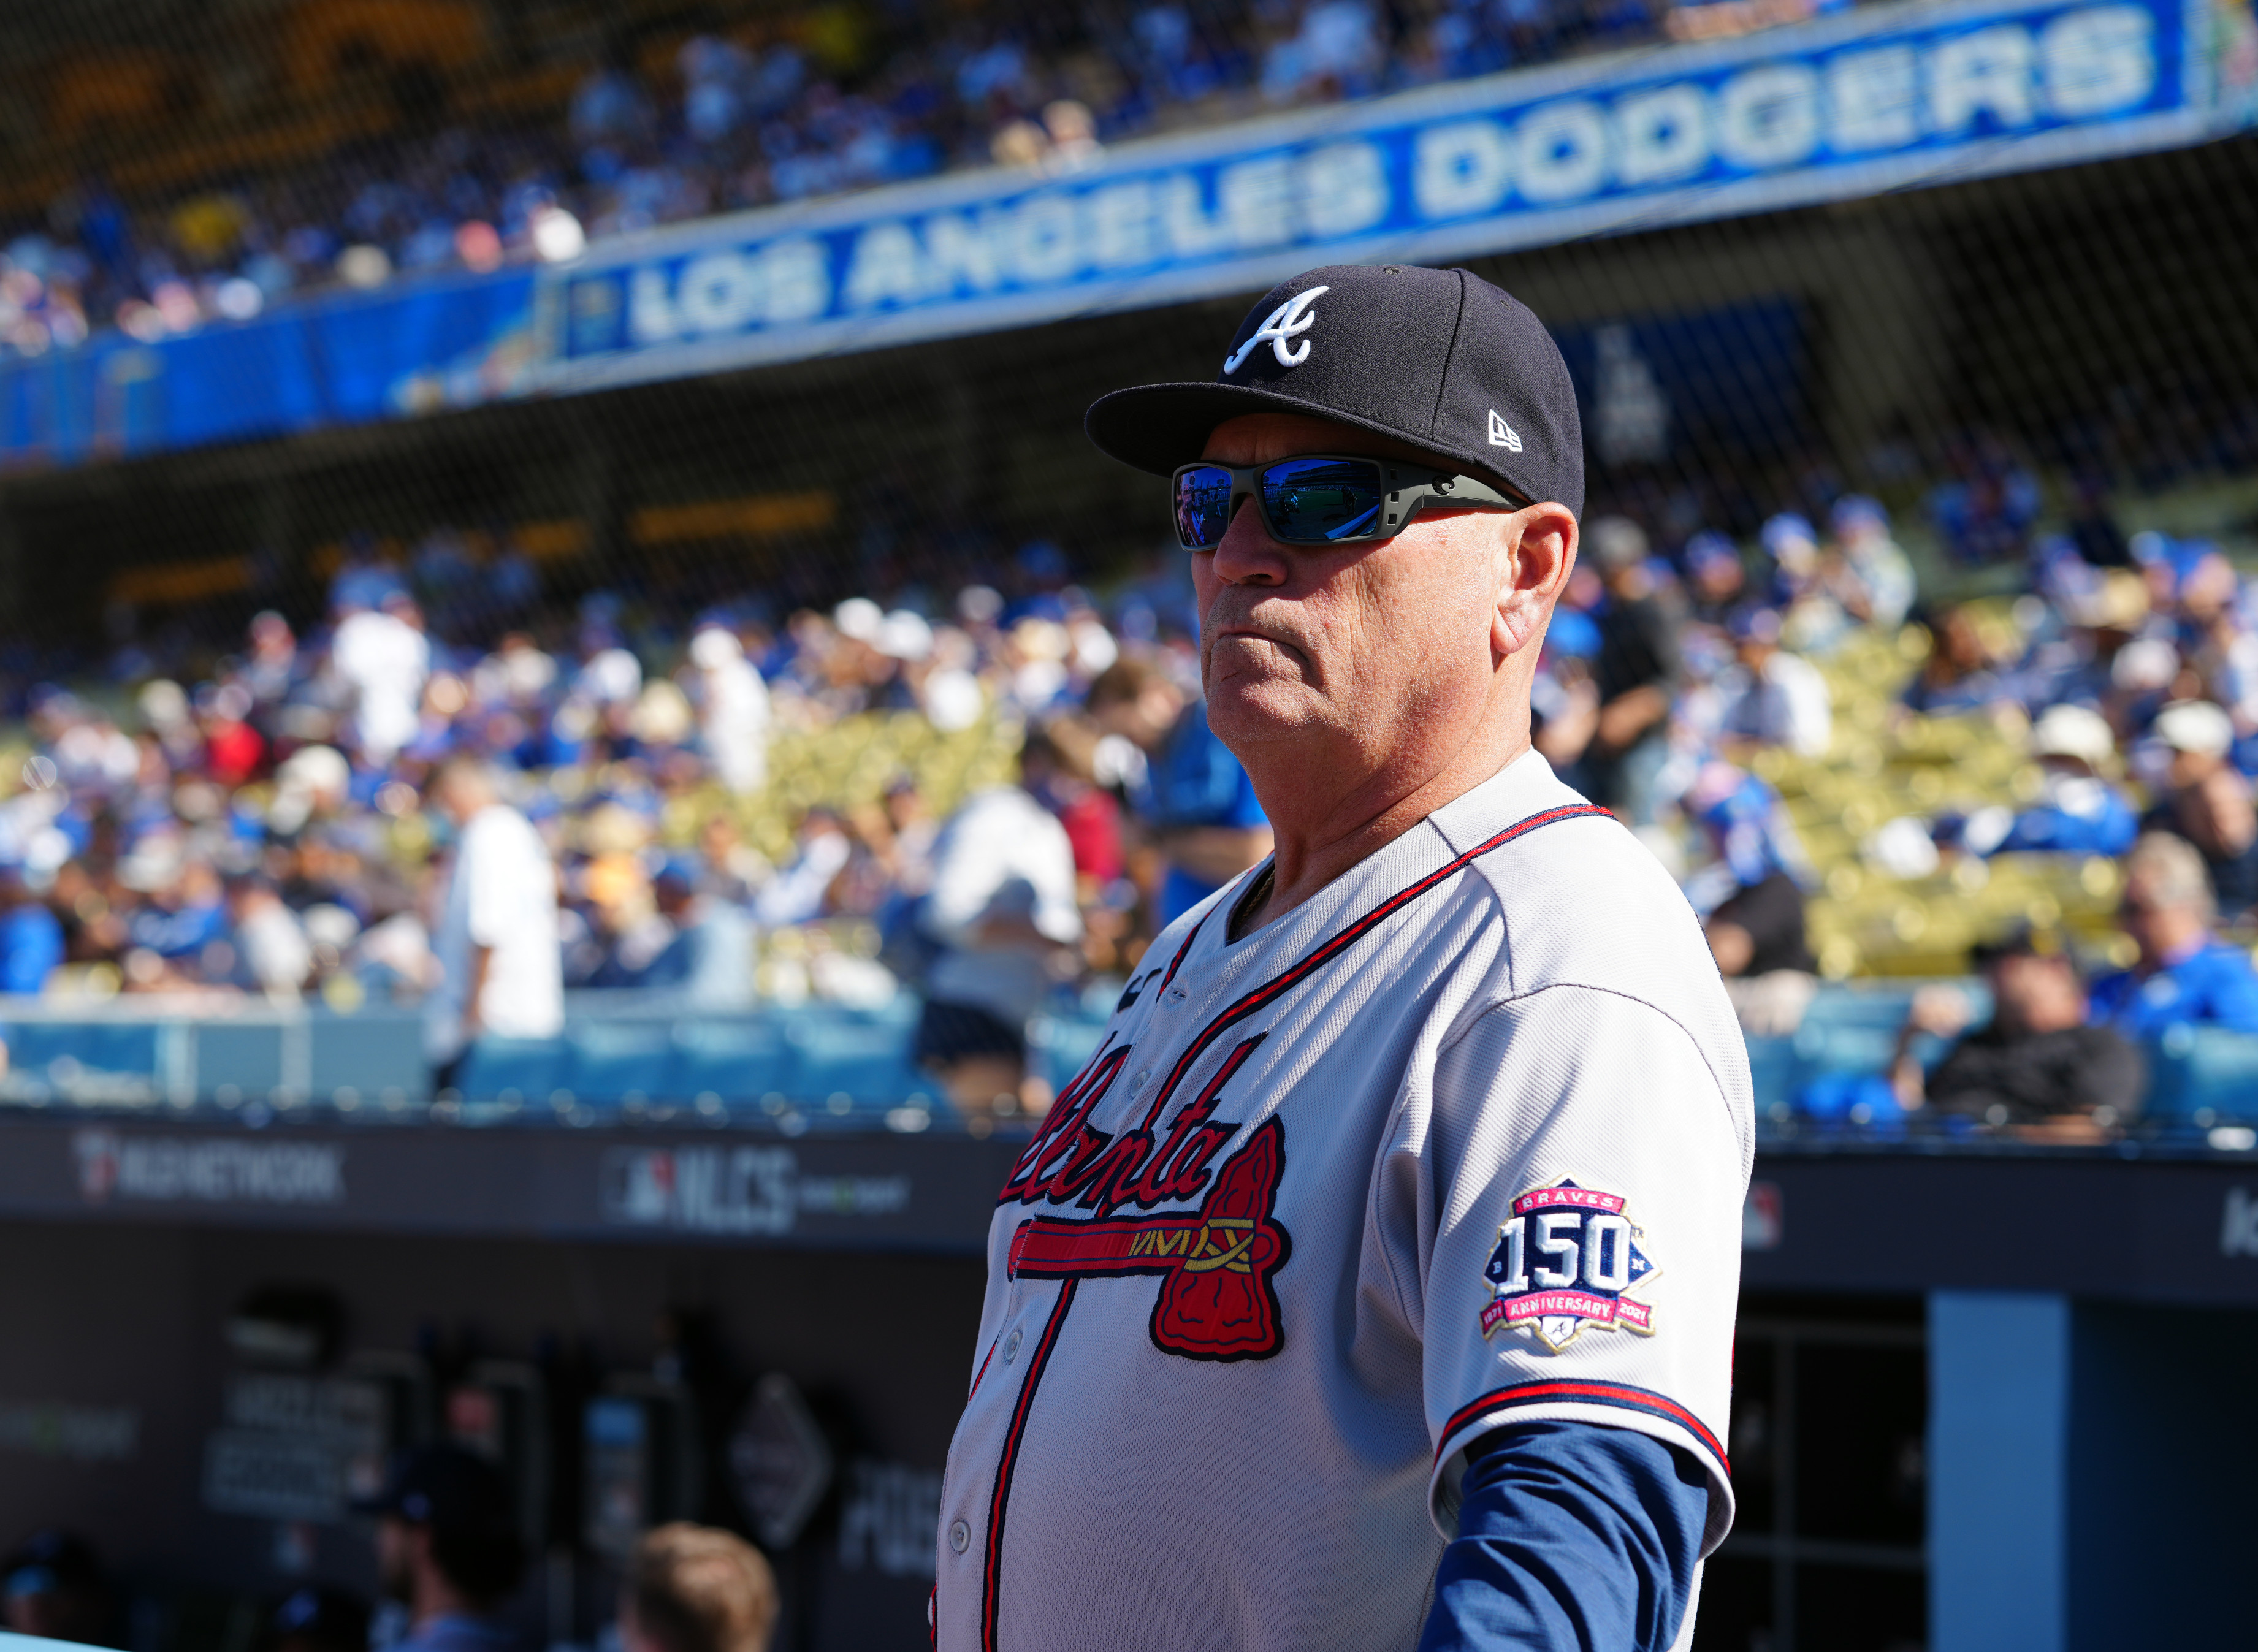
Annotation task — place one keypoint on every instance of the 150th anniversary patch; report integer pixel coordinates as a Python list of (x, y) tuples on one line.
[(1564, 1261)]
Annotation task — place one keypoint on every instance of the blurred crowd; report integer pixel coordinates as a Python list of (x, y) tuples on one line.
[(994, 796), (770, 111), (997, 796), (2120, 672), (267, 826)]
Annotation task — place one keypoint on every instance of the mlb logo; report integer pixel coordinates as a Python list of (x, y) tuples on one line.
[(96, 1151), (639, 1186)]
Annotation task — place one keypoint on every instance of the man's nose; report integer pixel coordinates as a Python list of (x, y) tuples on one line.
[(1246, 555)]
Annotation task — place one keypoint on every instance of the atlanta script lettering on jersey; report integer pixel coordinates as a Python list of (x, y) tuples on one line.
[(1216, 1299)]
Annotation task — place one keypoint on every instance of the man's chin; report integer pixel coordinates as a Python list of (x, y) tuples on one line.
[(1259, 712)]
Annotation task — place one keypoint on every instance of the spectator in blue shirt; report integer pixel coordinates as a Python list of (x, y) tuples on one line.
[(31, 937), (2077, 812), (2184, 975), (1194, 799), (447, 1550), (1960, 673)]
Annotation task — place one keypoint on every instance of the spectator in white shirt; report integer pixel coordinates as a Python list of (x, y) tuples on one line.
[(1773, 698), (502, 969), (733, 710), (275, 955), (382, 657), (799, 891), (1002, 911)]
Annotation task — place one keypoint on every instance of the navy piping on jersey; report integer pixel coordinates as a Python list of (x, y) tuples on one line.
[(1184, 951), (1261, 997), (1587, 1394)]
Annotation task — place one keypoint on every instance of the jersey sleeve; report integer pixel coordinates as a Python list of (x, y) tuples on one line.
[(1573, 1538), (1564, 1218)]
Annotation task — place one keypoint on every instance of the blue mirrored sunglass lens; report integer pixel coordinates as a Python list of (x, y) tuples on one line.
[(1203, 506), (1310, 501)]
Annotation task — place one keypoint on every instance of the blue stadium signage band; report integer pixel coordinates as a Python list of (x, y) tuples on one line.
[(1882, 97), (1857, 103)]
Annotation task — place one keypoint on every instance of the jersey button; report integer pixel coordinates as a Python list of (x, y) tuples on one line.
[(1010, 1348), (960, 1536)]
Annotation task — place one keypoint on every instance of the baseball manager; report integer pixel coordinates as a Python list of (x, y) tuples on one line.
[(1372, 1286)]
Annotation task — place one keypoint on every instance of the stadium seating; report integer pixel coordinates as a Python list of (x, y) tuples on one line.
[(2200, 1076), (825, 1067)]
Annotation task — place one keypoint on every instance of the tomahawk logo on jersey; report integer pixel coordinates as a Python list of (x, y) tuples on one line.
[(1368, 1179)]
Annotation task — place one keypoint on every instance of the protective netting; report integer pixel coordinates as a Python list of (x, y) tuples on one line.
[(1963, 456), (1915, 591)]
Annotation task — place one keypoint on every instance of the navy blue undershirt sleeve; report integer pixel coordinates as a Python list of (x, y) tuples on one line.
[(1573, 1538)]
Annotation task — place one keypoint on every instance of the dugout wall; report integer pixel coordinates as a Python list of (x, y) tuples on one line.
[(1981, 1400)]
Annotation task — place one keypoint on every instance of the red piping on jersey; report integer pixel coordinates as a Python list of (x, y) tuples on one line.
[(982, 1372), (1268, 993), (1271, 991), (1597, 1393), (993, 1560)]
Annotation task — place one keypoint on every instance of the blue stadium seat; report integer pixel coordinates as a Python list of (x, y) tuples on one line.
[(739, 1060), (862, 1057), (529, 1070), (1851, 1030), (1775, 1070), (1057, 1046), (1859, 1100), (69, 1053), (2197, 1070), (613, 1062)]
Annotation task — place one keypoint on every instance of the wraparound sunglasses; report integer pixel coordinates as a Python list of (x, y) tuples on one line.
[(1318, 498)]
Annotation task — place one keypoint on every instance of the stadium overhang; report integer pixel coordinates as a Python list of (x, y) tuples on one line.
[(1879, 99)]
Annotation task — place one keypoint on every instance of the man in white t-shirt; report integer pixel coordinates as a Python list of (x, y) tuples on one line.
[(733, 710), (1771, 697), (1002, 911), (383, 656), (501, 963)]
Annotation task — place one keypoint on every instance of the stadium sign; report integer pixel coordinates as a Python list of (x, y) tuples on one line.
[(1873, 100), (1881, 97)]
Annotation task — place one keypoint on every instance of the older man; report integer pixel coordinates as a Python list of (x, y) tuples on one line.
[(1375, 1279), (2185, 975), (497, 939)]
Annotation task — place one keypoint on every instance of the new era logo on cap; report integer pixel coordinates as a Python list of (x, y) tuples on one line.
[(1439, 360)]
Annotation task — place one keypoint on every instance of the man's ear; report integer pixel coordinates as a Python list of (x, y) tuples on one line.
[(1537, 555)]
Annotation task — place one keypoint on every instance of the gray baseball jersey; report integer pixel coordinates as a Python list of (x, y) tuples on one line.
[(1461, 1141)]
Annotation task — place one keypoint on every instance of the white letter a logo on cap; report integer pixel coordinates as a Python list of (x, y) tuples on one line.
[(1502, 435), (1288, 321)]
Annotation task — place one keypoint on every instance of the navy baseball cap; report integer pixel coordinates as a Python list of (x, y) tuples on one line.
[(1438, 358)]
